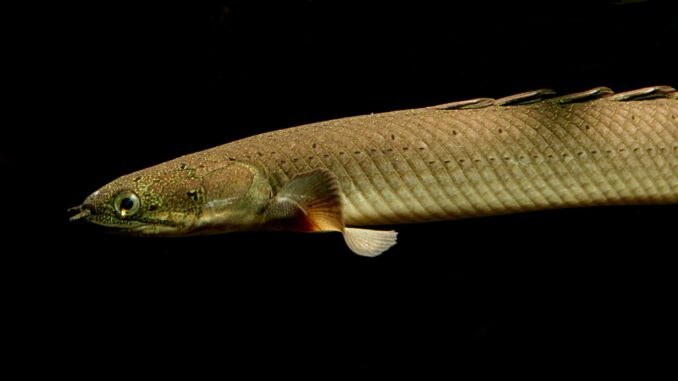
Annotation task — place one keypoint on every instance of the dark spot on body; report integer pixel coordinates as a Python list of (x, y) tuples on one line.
[(392, 137), (314, 145), (636, 149), (477, 160), (136, 179), (422, 148), (260, 153), (633, 117), (405, 148), (183, 166), (594, 152), (454, 132), (649, 150), (152, 207), (500, 130), (461, 161), (356, 152), (565, 154), (587, 127), (341, 152), (492, 159), (231, 158), (446, 162), (608, 151), (580, 153), (389, 149), (295, 159), (194, 194), (311, 157), (507, 158), (432, 162), (282, 161)]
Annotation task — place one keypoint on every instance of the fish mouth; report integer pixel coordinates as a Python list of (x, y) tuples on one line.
[(79, 212), (130, 227), (87, 213), (139, 229)]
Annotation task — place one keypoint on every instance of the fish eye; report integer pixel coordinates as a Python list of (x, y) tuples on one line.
[(126, 203)]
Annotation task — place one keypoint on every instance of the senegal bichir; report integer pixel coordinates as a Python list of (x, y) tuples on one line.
[(479, 157)]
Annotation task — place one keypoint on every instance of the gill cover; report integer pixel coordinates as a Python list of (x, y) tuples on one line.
[(235, 196)]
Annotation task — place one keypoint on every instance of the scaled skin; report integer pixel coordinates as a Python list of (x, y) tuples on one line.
[(463, 159)]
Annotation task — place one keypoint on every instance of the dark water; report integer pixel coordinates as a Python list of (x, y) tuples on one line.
[(107, 89)]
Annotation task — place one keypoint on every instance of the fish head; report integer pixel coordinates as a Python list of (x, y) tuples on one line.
[(155, 201), (170, 200)]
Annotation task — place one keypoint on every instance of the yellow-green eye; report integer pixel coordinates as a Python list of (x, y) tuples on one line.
[(126, 203)]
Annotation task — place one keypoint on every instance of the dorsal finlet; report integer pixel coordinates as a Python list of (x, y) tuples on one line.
[(584, 96), (466, 104), (645, 93), (525, 98), (535, 96)]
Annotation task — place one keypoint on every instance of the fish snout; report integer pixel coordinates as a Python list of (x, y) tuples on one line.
[(81, 211)]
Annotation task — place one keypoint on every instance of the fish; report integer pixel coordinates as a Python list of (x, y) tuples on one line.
[(479, 157)]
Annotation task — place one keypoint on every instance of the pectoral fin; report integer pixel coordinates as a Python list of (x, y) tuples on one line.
[(311, 202), (368, 242)]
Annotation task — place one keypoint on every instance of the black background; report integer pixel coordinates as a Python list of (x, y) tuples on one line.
[(100, 90)]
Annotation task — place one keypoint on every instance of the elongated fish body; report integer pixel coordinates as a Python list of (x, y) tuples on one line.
[(479, 157)]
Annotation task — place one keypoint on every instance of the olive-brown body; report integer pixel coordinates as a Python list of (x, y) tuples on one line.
[(530, 151)]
